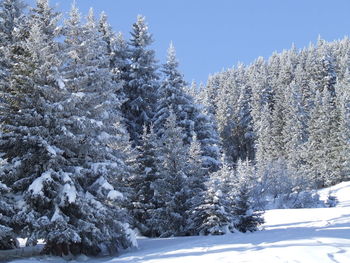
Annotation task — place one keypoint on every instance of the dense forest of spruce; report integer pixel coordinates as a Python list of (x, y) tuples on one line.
[(98, 140)]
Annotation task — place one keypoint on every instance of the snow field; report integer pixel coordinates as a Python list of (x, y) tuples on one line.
[(319, 235)]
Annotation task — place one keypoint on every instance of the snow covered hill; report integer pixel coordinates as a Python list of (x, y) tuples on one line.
[(291, 235)]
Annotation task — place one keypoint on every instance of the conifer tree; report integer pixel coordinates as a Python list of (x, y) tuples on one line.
[(263, 149), (172, 96), (171, 189), (205, 129), (244, 130), (189, 116), (294, 134), (233, 115), (209, 95), (336, 144), (118, 53), (143, 202), (11, 16), (343, 104), (246, 219), (142, 81), (7, 236), (194, 91), (197, 179), (224, 116), (194, 166), (108, 36), (313, 151), (324, 73), (31, 110), (59, 139), (212, 215), (324, 152), (90, 140)]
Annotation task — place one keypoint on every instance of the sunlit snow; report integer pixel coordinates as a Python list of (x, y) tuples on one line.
[(319, 235), (37, 185)]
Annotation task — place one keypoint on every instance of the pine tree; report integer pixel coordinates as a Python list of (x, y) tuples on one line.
[(171, 189), (172, 96), (294, 134), (117, 51), (224, 116), (272, 171), (90, 140), (197, 179), (324, 152), (194, 90), (263, 130), (59, 139), (7, 236), (127, 161), (336, 144), (108, 36), (142, 81), (207, 135), (324, 72), (313, 151), (233, 115), (11, 17), (30, 109), (142, 201), (278, 122), (244, 129), (343, 104), (194, 166), (209, 95), (212, 215), (189, 116), (246, 219)]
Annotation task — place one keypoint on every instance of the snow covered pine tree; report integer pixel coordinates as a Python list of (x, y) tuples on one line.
[(141, 83), (189, 116), (57, 134), (11, 15)]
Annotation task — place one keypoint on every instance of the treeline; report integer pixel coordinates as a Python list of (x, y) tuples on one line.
[(288, 115), (96, 139)]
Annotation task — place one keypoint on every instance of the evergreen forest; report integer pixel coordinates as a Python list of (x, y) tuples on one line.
[(100, 142)]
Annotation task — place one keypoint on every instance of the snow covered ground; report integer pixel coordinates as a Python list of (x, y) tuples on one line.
[(291, 235)]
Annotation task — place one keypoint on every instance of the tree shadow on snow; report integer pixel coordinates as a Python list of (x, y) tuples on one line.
[(163, 249)]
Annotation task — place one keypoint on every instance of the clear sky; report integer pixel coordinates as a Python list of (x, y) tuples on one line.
[(210, 35)]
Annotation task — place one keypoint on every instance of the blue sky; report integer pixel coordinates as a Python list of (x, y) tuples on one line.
[(210, 35)]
